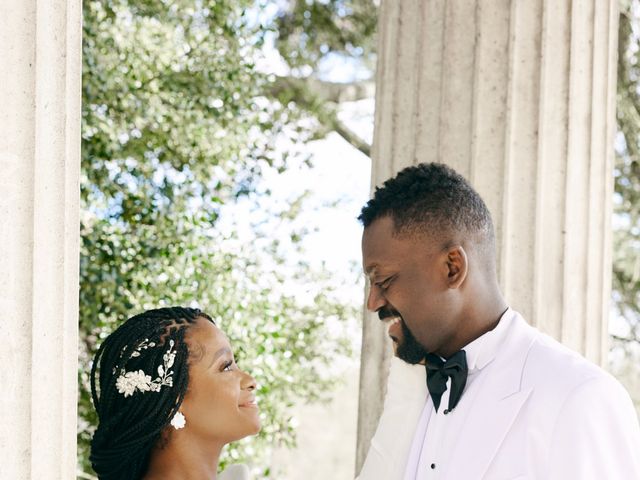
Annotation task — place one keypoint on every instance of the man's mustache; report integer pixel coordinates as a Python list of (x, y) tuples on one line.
[(385, 313)]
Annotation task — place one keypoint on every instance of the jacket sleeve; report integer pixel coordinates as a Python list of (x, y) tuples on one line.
[(596, 434), (403, 404)]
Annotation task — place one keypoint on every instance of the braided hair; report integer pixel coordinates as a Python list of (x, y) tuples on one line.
[(131, 422)]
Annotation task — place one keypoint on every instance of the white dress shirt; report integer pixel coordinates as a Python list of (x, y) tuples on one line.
[(437, 432)]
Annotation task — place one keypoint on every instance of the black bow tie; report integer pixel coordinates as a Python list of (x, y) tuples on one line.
[(439, 371)]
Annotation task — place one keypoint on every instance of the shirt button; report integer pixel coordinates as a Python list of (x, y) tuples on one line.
[(445, 411), (433, 466)]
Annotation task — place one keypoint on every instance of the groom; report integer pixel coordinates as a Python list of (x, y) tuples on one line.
[(488, 397)]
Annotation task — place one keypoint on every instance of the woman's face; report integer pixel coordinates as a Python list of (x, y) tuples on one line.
[(220, 403)]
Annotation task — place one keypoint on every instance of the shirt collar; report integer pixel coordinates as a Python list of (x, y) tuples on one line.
[(483, 349)]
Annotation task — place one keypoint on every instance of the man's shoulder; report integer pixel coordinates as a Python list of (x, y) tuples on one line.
[(552, 366), (560, 379)]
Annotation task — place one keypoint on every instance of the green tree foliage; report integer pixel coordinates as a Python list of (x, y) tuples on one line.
[(177, 123), (626, 274), (626, 233), (311, 31), (315, 36)]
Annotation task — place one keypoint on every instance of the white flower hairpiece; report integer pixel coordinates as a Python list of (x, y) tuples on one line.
[(128, 382)]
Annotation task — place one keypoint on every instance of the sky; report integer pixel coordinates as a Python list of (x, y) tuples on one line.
[(337, 182)]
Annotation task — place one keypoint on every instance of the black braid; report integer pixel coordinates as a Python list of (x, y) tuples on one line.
[(129, 427)]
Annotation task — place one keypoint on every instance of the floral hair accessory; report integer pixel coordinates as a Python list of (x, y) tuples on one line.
[(128, 382)]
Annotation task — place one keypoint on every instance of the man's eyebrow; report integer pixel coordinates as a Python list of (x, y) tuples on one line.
[(370, 270)]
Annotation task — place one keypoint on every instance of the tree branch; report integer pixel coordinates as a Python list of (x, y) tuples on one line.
[(321, 99), (327, 91), (351, 137), (624, 339)]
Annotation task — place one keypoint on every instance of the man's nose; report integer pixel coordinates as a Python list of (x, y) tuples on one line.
[(375, 300)]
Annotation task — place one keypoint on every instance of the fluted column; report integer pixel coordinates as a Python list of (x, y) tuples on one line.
[(518, 96), (40, 72)]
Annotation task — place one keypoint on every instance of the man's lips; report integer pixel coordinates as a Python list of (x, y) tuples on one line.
[(394, 329)]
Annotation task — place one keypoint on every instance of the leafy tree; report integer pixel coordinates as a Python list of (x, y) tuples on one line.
[(627, 170), (314, 36), (626, 260), (177, 123)]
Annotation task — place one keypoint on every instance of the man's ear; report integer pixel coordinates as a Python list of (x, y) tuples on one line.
[(457, 266)]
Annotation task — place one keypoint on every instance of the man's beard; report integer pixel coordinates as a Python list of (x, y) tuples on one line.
[(407, 349)]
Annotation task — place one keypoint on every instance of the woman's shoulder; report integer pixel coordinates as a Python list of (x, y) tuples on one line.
[(235, 472)]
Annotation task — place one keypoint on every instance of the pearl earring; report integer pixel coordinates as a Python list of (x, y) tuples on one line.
[(178, 421)]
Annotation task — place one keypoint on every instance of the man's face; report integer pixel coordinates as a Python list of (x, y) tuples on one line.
[(409, 286)]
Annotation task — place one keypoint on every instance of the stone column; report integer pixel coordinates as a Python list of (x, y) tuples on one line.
[(518, 96), (40, 95)]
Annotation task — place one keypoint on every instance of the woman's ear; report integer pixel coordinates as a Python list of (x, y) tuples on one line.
[(457, 266)]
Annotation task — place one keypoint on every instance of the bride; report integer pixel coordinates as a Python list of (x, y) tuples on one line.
[(169, 396)]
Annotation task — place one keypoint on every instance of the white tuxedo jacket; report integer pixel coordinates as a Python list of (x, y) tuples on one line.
[(544, 412)]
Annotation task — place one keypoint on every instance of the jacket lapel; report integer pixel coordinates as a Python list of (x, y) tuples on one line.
[(409, 462), (392, 442), (495, 407)]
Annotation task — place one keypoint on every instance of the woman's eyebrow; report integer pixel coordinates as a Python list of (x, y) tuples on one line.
[(219, 353)]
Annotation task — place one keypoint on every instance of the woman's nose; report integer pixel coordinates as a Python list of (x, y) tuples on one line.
[(248, 382)]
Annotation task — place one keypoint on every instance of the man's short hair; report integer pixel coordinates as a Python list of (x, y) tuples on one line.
[(432, 199)]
